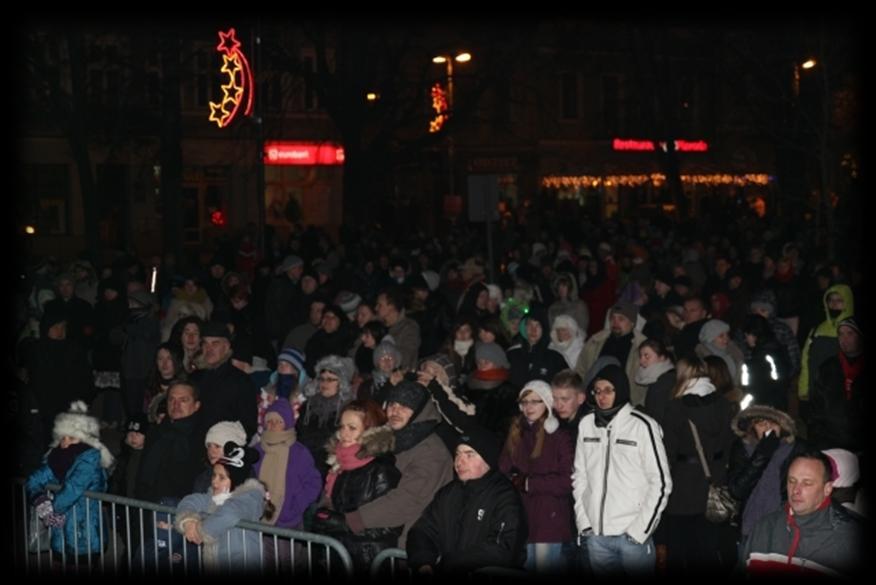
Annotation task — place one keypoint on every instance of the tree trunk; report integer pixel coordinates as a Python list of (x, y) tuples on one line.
[(170, 156), (77, 130)]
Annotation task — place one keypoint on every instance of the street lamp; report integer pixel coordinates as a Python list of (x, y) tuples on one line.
[(448, 61)]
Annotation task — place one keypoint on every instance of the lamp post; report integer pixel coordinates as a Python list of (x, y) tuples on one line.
[(448, 61)]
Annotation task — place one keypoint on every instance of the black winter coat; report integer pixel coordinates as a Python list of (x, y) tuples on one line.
[(469, 525), (355, 487), (712, 415), (835, 420), (226, 393), (172, 457)]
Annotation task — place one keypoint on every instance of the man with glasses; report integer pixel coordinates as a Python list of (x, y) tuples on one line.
[(621, 481)]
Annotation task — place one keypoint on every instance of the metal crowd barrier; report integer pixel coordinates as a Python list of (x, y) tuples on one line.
[(393, 556), (133, 543)]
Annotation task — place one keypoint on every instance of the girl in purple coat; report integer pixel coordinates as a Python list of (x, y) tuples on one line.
[(538, 459)]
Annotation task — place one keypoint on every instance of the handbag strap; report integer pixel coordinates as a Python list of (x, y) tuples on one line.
[(699, 446)]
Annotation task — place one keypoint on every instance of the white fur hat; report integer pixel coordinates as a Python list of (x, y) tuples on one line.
[(543, 389), (78, 424)]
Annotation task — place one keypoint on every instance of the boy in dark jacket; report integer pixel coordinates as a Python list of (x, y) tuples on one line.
[(476, 520)]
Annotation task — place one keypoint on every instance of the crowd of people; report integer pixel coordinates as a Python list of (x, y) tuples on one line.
[(569, 415)]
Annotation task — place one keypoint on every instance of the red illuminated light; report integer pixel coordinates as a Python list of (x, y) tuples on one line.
[(303, 153), (648, 145)]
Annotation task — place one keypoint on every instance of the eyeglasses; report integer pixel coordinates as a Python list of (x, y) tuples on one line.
[(327, 379), (605, 391), (529, 402)]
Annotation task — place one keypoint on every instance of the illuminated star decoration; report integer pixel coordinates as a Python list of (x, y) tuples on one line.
[(240, 81), (439, 104)]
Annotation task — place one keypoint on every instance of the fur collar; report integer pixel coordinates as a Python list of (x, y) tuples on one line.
[(743, 428), (375, 441)]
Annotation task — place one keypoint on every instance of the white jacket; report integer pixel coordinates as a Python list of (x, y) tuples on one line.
[(621, 480)]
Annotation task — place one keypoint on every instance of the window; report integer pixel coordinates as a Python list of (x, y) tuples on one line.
[(611, 105), (569, 96), (48, 191)]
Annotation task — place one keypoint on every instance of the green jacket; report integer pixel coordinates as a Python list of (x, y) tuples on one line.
[(821, 341)]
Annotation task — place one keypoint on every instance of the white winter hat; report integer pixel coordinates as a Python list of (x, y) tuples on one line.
[(225, 431), (78, 424), (543, 389), (847, 471)]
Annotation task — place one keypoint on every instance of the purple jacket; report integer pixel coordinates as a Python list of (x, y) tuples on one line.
[(303, 481), (548, 501)]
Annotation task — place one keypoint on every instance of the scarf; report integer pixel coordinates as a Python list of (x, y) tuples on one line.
[(220, 499), (648, 375), (277, 446), (603, 417), (765, 497), (496, 374), (325, 409), (346, 461), (61, 460), (462, 347), (618, 347), (411, 435), (285, 385), (851, 370), (795, 529)]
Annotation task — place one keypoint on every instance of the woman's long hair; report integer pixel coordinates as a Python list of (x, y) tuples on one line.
[(687, 369), (516, 430)]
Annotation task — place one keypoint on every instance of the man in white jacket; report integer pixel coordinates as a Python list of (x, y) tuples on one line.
[(621, 480)]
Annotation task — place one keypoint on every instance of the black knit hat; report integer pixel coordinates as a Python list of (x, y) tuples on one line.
[(408, 393), (215, 329), (484, 442), (618, 379)]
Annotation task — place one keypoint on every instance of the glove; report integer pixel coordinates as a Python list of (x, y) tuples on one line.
[(519, 481), (768, 444), (55, 520), (44, 508), (329, 521)]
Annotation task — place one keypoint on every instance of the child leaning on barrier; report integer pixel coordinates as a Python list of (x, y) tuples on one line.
[(209, 519), (78, 461)]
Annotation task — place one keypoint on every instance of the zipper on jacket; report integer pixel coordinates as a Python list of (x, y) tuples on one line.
[(605, 483), (499, 535)]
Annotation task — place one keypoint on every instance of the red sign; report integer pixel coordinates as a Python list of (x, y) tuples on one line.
[(303, 153), (648, 145)]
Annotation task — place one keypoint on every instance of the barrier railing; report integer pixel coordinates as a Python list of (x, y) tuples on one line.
[(137, 537)]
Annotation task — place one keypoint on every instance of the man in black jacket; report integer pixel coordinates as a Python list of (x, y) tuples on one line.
[(226, 392), (476, 520)]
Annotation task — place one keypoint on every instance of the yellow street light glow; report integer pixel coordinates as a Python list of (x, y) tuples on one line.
[(463, 57), (439, 59), (371, 96), (808, 64), (29, 230)]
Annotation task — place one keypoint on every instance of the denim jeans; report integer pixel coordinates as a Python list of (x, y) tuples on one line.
[(545, 557), (614, 555)]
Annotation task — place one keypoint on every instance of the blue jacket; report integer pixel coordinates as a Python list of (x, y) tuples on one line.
[(225, 547), (81, 532)]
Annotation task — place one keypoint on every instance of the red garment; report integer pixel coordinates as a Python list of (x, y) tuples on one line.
[(851, 371), (792, 525), (347, 460), (500, 374)]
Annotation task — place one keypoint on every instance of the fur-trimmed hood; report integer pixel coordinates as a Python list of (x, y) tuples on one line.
[(375, 441), (743, 428)]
